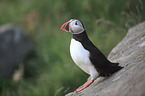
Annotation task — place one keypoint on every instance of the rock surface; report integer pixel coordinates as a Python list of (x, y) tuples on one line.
[(14, 48), (130, 81)]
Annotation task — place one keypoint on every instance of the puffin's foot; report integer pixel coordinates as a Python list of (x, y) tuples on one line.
[(91, 81)]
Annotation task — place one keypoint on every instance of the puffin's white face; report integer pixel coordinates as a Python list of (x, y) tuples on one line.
[(74, 26)]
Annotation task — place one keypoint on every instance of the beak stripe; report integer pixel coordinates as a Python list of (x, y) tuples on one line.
[(67, 26)]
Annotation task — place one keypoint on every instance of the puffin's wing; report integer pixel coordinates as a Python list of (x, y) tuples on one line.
[(99, 60), (102, 64)]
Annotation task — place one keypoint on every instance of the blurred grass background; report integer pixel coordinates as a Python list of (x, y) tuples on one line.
[(51, 72)]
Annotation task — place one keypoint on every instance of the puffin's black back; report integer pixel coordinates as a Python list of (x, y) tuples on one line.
[(101, 63)]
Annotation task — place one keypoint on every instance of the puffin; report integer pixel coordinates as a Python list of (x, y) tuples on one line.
[(86, 55)]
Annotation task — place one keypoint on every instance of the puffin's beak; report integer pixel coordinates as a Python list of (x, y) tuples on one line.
[(66, 26)]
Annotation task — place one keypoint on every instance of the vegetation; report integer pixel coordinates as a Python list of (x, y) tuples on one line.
[(51, 72)]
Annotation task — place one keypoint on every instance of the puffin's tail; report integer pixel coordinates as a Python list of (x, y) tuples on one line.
[(115, 68), (112, 68)]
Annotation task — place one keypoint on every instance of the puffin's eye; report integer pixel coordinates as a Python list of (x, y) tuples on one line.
[(76, 23)]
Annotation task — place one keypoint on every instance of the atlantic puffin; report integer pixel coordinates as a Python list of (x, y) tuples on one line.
[(86, 55)]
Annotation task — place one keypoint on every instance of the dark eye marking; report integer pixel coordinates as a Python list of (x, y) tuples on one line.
[(76, 23)]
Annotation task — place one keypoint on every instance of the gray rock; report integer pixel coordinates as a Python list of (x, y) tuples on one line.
[(14, 48), (130, 81)]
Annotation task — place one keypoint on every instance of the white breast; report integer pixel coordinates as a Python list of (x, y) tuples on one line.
[(81, 57)]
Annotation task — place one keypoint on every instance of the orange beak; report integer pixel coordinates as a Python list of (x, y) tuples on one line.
[(66, 26)]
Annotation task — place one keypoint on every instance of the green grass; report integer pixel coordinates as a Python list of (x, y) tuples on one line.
[(51, 71)]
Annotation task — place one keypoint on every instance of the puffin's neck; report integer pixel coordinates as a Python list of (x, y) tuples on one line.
[(80, 37)]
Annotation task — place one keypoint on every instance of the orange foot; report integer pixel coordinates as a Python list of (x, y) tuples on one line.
[(91, 81)]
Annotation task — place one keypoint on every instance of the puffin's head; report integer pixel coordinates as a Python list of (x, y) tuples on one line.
[(74, 26)]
